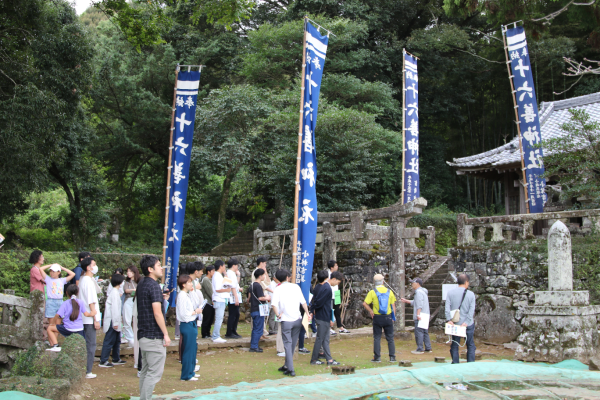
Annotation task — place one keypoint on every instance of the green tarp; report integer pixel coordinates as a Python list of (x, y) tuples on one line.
[(483, 380)]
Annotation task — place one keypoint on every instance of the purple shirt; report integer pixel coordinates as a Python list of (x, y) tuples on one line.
[(54, 287), (65, 311)]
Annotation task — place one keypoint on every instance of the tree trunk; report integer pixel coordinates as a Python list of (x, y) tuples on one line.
[(231, 173), (74, 205)]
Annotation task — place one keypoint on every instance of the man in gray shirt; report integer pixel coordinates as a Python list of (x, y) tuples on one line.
[(420, 305), (463, 300)]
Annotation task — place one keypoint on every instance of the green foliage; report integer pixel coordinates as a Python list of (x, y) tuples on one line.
[(574, 159), (92, 17), (141, 21)]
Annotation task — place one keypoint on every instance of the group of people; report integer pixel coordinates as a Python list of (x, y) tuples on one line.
[(136, 306)]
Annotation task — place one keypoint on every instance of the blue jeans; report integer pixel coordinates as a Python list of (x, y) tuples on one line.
[(112, 341), (258, 323), (219, 307), (470, 342), (189, 333)]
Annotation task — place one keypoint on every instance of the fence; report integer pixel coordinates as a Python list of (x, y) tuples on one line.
[(504, 227)]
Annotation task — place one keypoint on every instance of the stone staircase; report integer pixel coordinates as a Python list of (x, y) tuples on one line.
[(242, 243), (433, 279)]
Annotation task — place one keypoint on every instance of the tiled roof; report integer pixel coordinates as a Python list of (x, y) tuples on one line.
[(552, 116)]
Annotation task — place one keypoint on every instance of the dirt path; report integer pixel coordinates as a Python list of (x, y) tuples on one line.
[(225, 367)]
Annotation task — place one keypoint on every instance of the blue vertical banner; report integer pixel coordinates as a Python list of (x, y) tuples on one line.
[(316, 47), (183, 135), (412, 187), (529, 122)]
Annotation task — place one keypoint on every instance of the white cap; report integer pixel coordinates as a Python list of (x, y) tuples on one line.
[(55, 267)]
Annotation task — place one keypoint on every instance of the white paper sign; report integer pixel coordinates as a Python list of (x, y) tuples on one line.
[(446, 288), (424, 321), (456, 330)]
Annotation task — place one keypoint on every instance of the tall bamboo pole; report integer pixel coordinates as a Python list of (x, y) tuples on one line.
[(403, 121), (512, 88), (297, 194), (164, 254)]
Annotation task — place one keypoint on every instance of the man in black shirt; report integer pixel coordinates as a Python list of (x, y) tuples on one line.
[(152, 330), (321, 309), (257, 298)]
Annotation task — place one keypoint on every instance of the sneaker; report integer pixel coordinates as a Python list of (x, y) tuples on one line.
[(282, 354), (193, 378), (55, 348), (344, 331), (321, 355), (219, 340), (417, 352), (429, 351), (316, 362), (303, 351), (376, 359), (119, 362), (332, 332), (333, 362), (139, 373), (135, 366), (197, 368), (123, 341), (392, 358), (176, 337), (106, 364), (282, 369), (196, 376), (259, 350), (90, 376)]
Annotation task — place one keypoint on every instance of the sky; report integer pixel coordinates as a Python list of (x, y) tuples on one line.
[(81, 5)]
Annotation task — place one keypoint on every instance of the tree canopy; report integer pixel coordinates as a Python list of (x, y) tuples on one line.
[(85, 107)]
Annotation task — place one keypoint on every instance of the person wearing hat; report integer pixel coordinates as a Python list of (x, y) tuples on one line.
[(420, 305), (384, 302), (54, 287)]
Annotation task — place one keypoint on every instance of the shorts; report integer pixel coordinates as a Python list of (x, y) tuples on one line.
[(52, 306), (65, 332)]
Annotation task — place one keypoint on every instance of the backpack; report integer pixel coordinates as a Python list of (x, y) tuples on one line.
[(383, 299)]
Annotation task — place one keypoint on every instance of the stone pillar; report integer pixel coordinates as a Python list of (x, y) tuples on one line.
[(430, 240), (461, 221), (481, 234), (527, 232), (497, 233), (356, 226), (329, 246), (397, 279), (255, 241), (560, 266)]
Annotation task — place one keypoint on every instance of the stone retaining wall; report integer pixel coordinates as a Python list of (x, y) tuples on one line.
[(504, 281)]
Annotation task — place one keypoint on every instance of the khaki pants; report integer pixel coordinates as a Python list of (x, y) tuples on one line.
[(279, 339), (154, 355)]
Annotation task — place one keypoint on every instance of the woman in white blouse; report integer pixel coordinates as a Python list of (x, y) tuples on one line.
[(187, 317)]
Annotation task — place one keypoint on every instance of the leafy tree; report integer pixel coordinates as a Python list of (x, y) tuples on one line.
[(226, 132), (46, 74), (574, 159)]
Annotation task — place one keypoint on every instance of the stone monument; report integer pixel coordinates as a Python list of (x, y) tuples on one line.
[(561, 324)]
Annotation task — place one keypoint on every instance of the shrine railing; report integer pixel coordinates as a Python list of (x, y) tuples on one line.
[(520, 226)]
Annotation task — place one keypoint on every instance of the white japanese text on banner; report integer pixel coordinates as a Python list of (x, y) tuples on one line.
[(316, 47), (412, 189), (183, 135), (529, 121)]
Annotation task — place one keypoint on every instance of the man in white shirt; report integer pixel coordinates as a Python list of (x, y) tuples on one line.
[(88, 293), (286, 302), (233, 273), (220, 296)]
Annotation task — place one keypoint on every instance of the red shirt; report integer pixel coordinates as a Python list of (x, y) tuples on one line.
[(35, 280)]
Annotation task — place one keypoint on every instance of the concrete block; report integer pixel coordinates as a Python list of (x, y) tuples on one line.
[(562, 298)]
